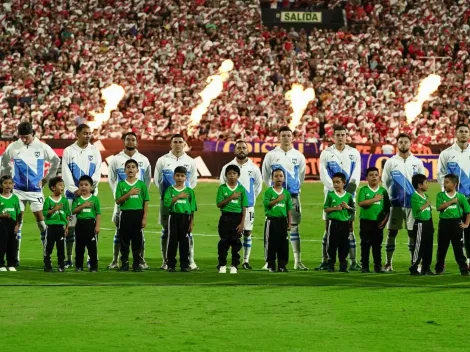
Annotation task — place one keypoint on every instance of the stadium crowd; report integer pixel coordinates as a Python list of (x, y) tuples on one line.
[(55, 56)]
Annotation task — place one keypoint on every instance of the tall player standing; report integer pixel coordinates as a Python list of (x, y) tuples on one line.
[(251, 179), (163, 178), (456, 160), (397, 176), (345, 159), (116, 174), (25, 160), (292, 162), (80, 158)]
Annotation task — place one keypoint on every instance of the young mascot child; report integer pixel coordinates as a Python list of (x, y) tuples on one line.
[(88, 210), (339, 207), (423, 228), (132, 196), (10, 218), (56, 213), (452, 205), (181, 202), (232, 201), (277, 207), (375, 210)]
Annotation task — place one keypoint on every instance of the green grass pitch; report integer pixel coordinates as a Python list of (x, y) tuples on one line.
[(207, 311)]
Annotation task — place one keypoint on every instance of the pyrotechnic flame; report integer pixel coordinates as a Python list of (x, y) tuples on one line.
[(299, 99), (426, 88), (111, 95), (211, 91)]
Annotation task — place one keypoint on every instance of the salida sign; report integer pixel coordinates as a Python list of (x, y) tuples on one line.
[(301, 17)]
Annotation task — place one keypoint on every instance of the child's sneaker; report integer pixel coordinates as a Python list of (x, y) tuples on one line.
[(61, 270), (144, 266), (3, 269), (246, 266), (272, 270), (164, 267), (68, 264), (300, 266), (171, 270), (322, 266), (283, 270), (222, 269), (233, 270), (388, 268), (113, 265), (11, 268)]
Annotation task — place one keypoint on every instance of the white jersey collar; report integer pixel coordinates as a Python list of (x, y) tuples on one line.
[(456, 147)]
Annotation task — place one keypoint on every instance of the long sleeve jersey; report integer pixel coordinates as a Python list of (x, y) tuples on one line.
[(77, 162), (116, 169), (456, 161), (26, 163), (292, 163), (164, 171), (347, 161), (250, 178), (396, 178)]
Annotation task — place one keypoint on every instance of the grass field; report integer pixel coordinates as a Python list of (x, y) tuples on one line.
[(207, 311)]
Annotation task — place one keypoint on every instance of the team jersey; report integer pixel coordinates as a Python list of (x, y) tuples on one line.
[(87, 213), (456, 161), (235, 205), (396, 178), (250, 178), (116, 170), (10, 205), (166, 165), (347, 161), (454, 211), (280, 209), (334, 199), (182, 205), (26, 164), (378, 210), (77, 162), (135, 201), (59, 217), (291, 162), (417, 202)]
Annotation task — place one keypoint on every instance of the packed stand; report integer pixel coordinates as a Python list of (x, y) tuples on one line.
[(56, 58)]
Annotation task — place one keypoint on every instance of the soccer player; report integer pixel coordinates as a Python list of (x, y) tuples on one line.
[(232, 202), (181, 201), (277, 206), (56, 212), (396, 178), (292, 163), (453, 206), (163, 178), (79, 159), (87, 208), (375, 210), (455, 160), (116, 173), (251, 179), (132, 196), (10, 219), (28, 156), (339, 207), (423, 228), (340, 158)]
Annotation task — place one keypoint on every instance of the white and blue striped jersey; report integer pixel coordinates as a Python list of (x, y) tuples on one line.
[(396, 178), (77, 162), (291, 162), (456, 161), (347, 161), (165, 167), (26, 164), (116, 170), (250, 178)]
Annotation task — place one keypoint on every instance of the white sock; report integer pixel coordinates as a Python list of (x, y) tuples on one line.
[(246, 249), (116, 248), (163, 243), (324, 253), (390, 248), (352, 247)]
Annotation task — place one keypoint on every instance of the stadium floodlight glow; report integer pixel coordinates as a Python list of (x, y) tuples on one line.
[(299, 99), (111, 95), (426, 88), (211, 91)]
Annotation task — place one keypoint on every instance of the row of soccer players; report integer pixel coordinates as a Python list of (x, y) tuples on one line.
[(25, 160), (29, 154)]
